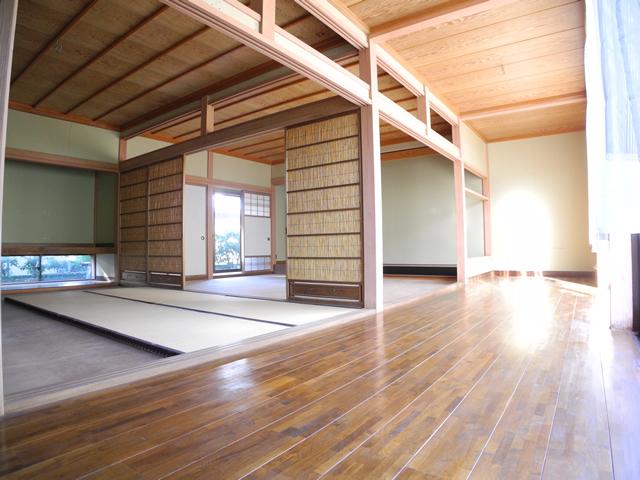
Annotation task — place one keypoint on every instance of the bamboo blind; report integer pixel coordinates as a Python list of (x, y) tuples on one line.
[(151, 224), (324, 218)]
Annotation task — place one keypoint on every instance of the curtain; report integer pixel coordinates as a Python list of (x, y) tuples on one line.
[(612, 77)]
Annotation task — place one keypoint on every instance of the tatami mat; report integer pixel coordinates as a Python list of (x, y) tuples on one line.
[(168, 327), (266, 310)]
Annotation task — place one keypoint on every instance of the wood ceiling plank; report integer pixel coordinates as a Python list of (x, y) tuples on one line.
[(530, 88), (532, 123), (495, 57), (509, 72), (521, 9), (545, 22), (377, 12)]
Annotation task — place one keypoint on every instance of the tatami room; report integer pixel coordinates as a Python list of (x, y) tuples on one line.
[(319, 239)]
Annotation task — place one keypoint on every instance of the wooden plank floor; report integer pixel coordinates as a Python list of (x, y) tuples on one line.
[(510, 378)]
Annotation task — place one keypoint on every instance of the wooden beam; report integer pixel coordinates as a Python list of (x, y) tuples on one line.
[(101, 53), (449, 12), (241, 23), (226, 136), (122, 149), (59, 160), (357, 34), (206, 117), (525, 106), (137, 68), (8, 13), (56, 38)]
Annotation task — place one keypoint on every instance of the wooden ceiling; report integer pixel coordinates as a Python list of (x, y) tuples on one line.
[(113, 63), (525, 51)]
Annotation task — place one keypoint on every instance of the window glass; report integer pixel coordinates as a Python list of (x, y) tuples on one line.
[(20, 269), (66, 267)]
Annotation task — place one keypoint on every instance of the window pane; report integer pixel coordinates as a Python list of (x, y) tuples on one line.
[(20, 269), (67, 267)]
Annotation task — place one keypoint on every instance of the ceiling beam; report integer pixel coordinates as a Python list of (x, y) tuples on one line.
[(255, 81), (432, 17), (45, 112), (56, 38), (525, 106), (102, 52), (226, 136)]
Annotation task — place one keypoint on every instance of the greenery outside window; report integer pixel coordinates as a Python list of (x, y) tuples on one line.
[(47, 268)]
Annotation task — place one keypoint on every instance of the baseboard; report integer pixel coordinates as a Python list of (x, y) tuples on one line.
[(421, 270)]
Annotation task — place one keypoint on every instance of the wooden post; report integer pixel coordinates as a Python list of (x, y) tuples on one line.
[(122, 149), (461, 211), (206, 117), (209, 210), (486, 205), (424, 110), (8, 9), (267, 11), (371, 185)]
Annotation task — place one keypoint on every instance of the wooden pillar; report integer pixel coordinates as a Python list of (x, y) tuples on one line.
[(486, 205), (371, 186), (122, 149), (267, 11), (8, 11), (461, 211)]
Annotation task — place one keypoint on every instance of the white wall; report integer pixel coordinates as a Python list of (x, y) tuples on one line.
[(539, 204), (418, 211), (49, 135), (232, 169), (141, 145), (473, 150)]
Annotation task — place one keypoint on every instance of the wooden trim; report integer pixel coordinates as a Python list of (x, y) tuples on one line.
[(101, 53), (45, 112), (189, 278), (433, 17), (420, 270), (550, 102), (475, 171), (476, 194), (59, 160), (559, 131), (54, 249), (277, 181), (57, 37), (193, 180), (407, 153), (219, 138), (461, 221)]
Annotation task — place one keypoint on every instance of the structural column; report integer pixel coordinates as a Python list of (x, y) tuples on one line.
[(8, 10), (371, 186)]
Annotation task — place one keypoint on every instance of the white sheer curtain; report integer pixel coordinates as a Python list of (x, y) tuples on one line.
[(612, 75)]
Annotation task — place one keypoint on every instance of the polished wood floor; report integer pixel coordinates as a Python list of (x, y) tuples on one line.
[(512, 378)]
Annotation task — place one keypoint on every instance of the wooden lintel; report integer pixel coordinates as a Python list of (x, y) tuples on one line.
[(59, 160), (432, 17), (524, 107), (407, 153), (266, 124)]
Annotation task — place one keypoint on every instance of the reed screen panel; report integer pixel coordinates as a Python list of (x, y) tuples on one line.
[(324, 216), (151, 224)]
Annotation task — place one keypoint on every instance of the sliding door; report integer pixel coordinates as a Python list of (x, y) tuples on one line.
[(257, 232)]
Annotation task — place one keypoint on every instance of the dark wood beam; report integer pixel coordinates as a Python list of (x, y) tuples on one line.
[(59, 34), (226, 136), (103, 52)]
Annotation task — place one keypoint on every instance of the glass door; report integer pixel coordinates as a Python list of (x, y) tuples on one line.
[(227, 224)]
